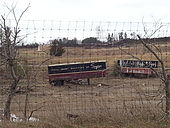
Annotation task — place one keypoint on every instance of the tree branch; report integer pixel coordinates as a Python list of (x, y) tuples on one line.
[(156, 56), (31, 113)]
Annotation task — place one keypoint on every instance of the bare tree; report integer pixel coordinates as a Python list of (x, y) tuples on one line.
[(163, 75), (9, 39), (157, 53)]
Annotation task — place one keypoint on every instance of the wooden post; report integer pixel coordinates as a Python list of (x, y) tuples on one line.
[(88, 81)]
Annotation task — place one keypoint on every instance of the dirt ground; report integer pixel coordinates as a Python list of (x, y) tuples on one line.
[(105, 95)]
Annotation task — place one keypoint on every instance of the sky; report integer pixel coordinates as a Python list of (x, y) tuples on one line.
[(93, 10), (87, 15)]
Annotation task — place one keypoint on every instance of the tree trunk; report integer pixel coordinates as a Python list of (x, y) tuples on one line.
[(8, 106), (11, 94), (167, 90), (25, 107)]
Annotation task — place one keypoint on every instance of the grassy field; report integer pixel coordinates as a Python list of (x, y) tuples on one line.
[(81, 54), (109, 102), (120, 103)]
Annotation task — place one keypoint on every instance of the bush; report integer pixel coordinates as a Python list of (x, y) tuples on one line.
[(56, 48)]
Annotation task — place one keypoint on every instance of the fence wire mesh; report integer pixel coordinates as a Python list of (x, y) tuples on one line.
[(109, 95)]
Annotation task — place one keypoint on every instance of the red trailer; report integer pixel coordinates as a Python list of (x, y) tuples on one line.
[(58, 73), (143, 67)]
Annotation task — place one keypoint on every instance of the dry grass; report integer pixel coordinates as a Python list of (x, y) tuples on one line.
[(92, 121), (117, 103), (81, 54), (92, 103)]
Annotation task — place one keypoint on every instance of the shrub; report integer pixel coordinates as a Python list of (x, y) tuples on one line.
[(56, 48)]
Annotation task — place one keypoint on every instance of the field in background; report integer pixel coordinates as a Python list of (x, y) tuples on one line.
[(83, 54), (111, 101), (108, 96)]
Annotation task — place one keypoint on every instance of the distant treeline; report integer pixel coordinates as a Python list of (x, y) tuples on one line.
[(129, 42), (160, 39), (92, 42), (32, 45)]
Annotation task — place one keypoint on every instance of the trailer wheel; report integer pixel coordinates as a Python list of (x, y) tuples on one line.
[(58, 82), (51, 82)]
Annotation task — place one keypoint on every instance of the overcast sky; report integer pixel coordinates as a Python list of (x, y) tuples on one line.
[(90, 10), (80, 18)]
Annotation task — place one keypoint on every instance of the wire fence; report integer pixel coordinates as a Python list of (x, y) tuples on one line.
[(110, 95), (42, 31)]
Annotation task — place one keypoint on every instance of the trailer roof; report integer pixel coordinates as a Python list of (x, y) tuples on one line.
[(77, 63), (136, 60)]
